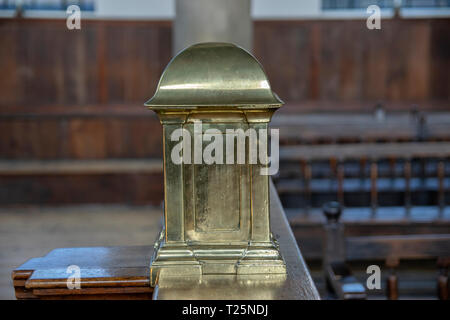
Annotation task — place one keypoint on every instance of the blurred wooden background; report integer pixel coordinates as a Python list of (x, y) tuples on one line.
[(79, 94), (74, 130), (119, 62)]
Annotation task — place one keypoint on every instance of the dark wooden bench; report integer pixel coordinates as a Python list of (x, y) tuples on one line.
[(340, 127), (339, 250)]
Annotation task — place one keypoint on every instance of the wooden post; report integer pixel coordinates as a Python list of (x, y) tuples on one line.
[(392, 280)]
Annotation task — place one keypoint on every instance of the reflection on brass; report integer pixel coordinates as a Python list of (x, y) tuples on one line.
[(217, 215), (211, 287)]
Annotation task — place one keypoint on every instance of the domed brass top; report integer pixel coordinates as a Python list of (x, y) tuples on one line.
[(219, 75)]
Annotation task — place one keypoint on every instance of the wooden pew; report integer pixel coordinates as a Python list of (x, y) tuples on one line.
[(366, 174), (392, 249)]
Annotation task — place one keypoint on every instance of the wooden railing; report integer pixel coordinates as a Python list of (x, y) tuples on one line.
[(400, 171)]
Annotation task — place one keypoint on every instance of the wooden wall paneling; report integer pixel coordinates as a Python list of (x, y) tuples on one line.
[(45, 139), (102, 88), (41, 85), (21, 144), (71, 135), (6, 142), (104, 62), (376, 58), (330, 54), (87, 138), (115, 62), (326, 61), (398, 42), (9, 81), (146, 141), (283, 49), (418, 61), (80, 69), (133, 62), (440, 60), (117, 138), (146, 189), (270, 55), (129, 188), (350, 61), (26, 138), (314, 63)]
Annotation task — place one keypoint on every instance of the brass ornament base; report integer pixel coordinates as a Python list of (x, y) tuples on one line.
[(191, 260)]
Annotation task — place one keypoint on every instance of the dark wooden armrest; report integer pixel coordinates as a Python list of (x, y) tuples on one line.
[(342, 282)]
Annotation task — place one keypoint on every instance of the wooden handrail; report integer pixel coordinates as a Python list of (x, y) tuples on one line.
[(58, 167), (372, 151)]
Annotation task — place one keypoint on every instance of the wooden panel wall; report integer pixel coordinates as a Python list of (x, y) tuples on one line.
[(407, 60), (88, 133), (79, 94), (106, 62), (119, 62), (125, 188)]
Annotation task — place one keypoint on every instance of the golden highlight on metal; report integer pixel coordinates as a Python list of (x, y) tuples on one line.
[(217, 215)]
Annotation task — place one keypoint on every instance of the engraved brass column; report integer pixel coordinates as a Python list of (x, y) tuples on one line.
[(216, 215)]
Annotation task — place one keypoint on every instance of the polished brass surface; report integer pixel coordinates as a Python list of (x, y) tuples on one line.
[(296, 284), (216, 215), (213, 75)]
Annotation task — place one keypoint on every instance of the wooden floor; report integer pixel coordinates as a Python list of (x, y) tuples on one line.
[(32, 232)]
